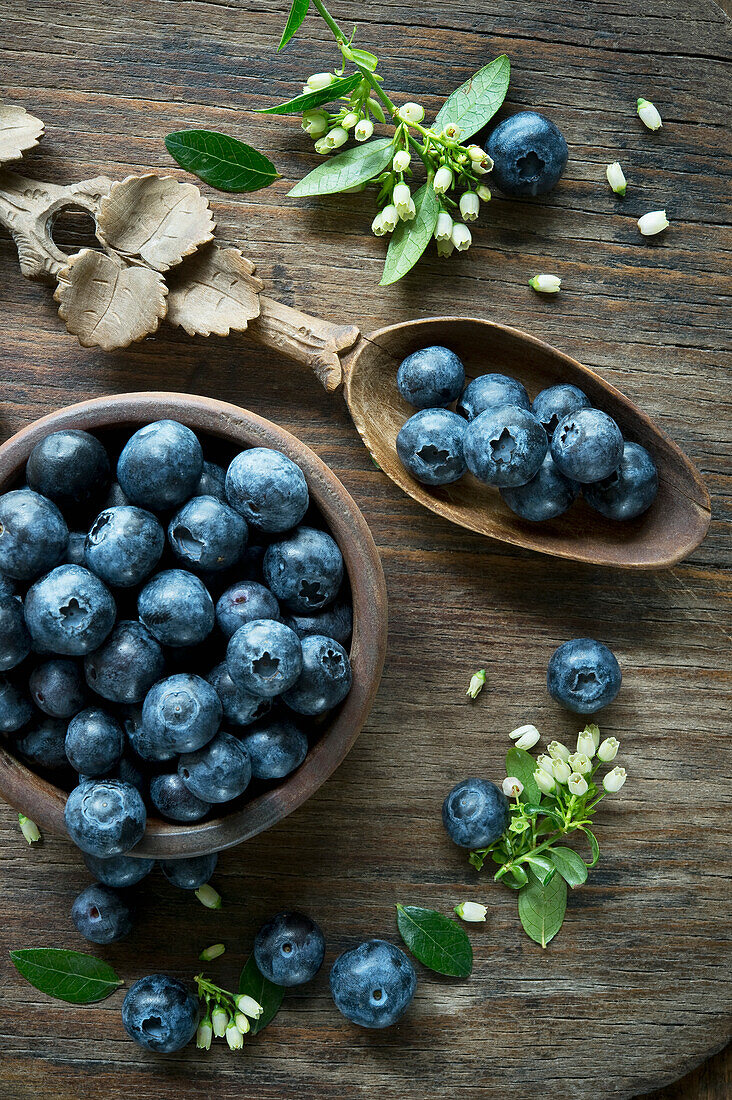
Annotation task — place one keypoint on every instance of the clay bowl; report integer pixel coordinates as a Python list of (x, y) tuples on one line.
[(366, 366), (225, 429)]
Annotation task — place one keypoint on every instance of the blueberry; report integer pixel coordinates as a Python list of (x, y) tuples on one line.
[(182, 712), (8, 586), (124, 545), (75, 548), (190, 874), (430, 446), (490, 391), (160, 465), (119, 871), (529, 154), (148, 748), (289, 949), (250, 566), (176, 608), (554, 403), (94, 742), (241, 708), (505, 446), (218, 772), (15, 641), (160, 1013), (304, 570), (116, 497), (242, 603), (15, 710), (33, 534), (275, 749), (373, 984), (475, 813), (264, 657), (335, 622), (628, 491), (126, 665), (101, 915), (211, 482), (267, 488), (44, 744), (173, 800), (548, 494), (207, 534), (69, 467), (69, 611), (105, 817), (583, 675), (325, 679), (128, 771), (431, 378), (587, 445)]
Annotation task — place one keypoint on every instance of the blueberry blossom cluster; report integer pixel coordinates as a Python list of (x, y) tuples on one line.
[(226, 1015)]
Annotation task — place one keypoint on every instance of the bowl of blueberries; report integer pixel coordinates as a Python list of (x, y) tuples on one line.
[(192, 625)]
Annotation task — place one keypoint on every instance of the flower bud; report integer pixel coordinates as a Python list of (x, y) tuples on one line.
[(443, 180), (471, 911), (544, 781), (512, 787), (561, 771), (608, 750), (577, 784), (204, 1035), (461, 237), (586, 743), (445, 248), (558, 751), (242, 1023), (323, 146), (653, 222), (248, 1005), (401, 197), (614, 780), (443, 232), (376, 110), (377, 225), (234, 1037), (315, 123), (616, 178), (469, 206), (594, 731), (649, 115), (364, 130), (476, 153), (580, 763), (318, 81), (350, 120), (525, 737), (219, 1021), (337, 137), (401, 161), (483, 192), (29, 829), (546, 284), (208, 897), (213, 952), (389, 217), (410, 213), (545, 763), (411, 112)]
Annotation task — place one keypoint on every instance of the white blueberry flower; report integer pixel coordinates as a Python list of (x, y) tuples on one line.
[(471, 911), (349, 120), (546, 284), (649, 115), (544, 780), (577, 784), (29, 829), (208, 896), (411, 212), (248, 1005), (483, 192), (242, 1023), (377, 225), (443, 232), (525, 736), (512, 787), (401, 197), (580, 763), (545, 763), (401, 161), (461, 237), (443, 180), (477, 680), (561, 771), (481, 162), (337, 137), (411, 112), (452, 131), (364, 130), (204, 1035), (558, 751), (586, 743), (614, 780), (315, 123), (608, 750), (445, 248), (469, 206), (318, 81), (653, 222), (389, 217), (616, 178), (323, 146), (219, 1021), (213, 952), (234, 1037)]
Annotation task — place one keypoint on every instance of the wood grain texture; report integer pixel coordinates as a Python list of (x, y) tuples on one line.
[(635, 991)]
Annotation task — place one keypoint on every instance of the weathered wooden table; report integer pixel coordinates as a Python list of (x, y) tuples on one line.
[(636, 988)]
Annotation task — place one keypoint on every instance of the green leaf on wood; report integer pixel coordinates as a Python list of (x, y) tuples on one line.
[(476, 101), (66, 975), (594, 845), (348, 169), (409, 239), (437, 941), (542, 867), (542, 908), (363, 58), (265, 992), (221, 161), (571, 867), (308, 101), (522, 765), (298, 11)]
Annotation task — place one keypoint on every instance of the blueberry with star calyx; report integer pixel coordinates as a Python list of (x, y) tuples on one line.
[(430, 446), (529, 154)]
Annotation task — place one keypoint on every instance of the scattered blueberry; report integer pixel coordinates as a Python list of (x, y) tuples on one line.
[(101, 915), (475, 813), (126, 665), (182, 712), (505, 446), (15, 641), (289, 949), (529, 154), (373, 984), (160, 1013), (244, 602), (628, 491), (176, 608), (218, 772), (241, 708), (15, 710), (207, 534), (173, 800), (304, 570), (267, 488), (211, 482), (554, 403), (160, 465), (119, 872), (190, 874), (490, 391), (33, 534), (69, 467), (105, 817), (583, 675), (94, 742), (547, 495), (69, 611), (587, 445), (325, 679), (45, 744), (335, 622), (430, 446), (264, 657), (431, 378), (275, 749), (124, 545)]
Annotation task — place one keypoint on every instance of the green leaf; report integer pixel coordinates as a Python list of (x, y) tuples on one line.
[(518, 878), (542, 867), (308, 101), (543, 811), (438, 942), (542, 908), (298, 11), (363, 58), (66, 975), (221, 161), (356, 165), (571, 867), (594, 845), (269, 995), (476, 101), (409, 239), (522, 765)]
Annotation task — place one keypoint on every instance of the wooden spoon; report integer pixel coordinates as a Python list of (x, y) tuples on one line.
[(365, 366)]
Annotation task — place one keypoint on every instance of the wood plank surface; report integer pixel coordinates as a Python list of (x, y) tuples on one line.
[(635, 991)]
